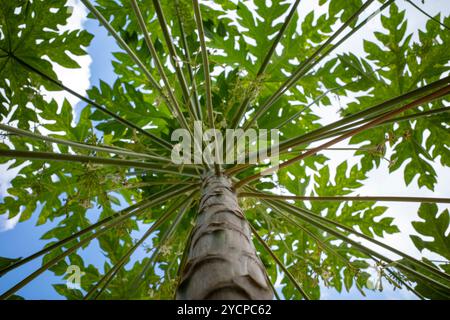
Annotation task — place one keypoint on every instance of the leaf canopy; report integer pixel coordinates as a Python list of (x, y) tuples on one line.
[(80, 198)]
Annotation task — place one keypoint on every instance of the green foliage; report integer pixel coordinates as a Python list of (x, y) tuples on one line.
[(5, 262), (405, 65), (434, 225), (75, 195), (30, 32)]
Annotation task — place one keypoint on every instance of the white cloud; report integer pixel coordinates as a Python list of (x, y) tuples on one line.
[(8, 224)]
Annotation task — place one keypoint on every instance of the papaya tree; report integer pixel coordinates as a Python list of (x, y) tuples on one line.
[(104, 175)]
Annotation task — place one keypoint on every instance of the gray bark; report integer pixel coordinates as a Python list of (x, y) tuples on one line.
[(222, 262)]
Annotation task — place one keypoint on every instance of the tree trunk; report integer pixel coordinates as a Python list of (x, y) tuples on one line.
[(222, 262)]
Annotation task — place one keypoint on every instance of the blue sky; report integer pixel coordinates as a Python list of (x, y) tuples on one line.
[(24, 238)]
